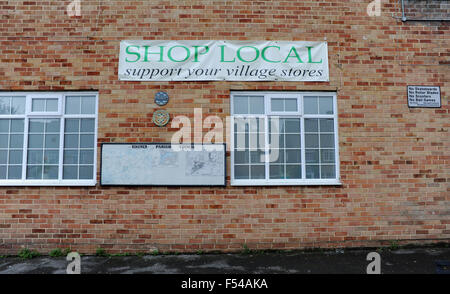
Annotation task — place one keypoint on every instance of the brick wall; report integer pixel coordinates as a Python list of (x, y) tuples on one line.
[(395, 161)]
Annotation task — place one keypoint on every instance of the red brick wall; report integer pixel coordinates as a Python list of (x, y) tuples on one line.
[(394, 160)]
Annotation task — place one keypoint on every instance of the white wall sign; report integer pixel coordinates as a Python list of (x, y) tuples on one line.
[(424, 96), (223, 60)]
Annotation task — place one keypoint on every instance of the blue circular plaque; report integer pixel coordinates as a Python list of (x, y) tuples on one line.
[(161, 98)]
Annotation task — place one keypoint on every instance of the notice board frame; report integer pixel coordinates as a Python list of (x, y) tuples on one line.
[(163, 185)]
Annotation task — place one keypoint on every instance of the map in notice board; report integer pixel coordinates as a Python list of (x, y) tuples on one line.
[(162, 164)]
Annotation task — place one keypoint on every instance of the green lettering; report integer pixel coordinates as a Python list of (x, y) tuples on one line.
[(240, 57), (263, 54), (188, 53), (197, 53), (310, 56), (160, 53), (291, 56), (222, 56), (132, 53)]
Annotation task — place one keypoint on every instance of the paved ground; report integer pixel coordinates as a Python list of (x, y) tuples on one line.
[(402, 261)]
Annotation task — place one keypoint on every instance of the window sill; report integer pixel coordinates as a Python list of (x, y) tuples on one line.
[(332, 182), (42, 183)]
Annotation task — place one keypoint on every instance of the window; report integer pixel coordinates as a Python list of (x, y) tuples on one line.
[(48, 139), (425, 10), (284, 139)]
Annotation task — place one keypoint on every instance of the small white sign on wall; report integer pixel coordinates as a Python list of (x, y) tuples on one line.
[(424, 96)]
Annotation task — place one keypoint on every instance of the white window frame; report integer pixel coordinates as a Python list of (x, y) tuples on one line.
[(300, 114), (61, 96)]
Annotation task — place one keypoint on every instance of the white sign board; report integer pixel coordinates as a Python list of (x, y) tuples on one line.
[(223, 61), (424, 96), (159, 164)]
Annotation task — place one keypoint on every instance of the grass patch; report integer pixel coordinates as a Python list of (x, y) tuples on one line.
[(27, 253), (101, 252), (56, 253)]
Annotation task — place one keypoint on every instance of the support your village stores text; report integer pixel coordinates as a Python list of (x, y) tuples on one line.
[(224, 284)]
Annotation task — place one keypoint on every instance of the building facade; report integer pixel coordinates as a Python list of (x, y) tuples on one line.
[(368, 168)]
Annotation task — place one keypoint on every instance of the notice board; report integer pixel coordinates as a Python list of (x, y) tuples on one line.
[(163, 164)]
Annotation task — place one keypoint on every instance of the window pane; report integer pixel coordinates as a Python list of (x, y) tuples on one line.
[(88, 105), (5, 107), (327, 125), (51, 157), (277, 105), (241, 125), (276, 125), (38, 105), (276, 140), (292, 125), (241, 141), (18, 105), (240, 105), (34, 172), (293, 172), (290, 105), (52, 126), (276, 171), (50, 172), (257, 156), (72, 126), (311, 141), (35, 141), (277, 156), (312, 172), (327, 141), (71, 141), (328, 172), (16, 141), (35, 156), (2, 172), (71, 157), (70, 172), (258, 172), (3, 156), (4, 125), (86, 157), (87, 141), (326, 105), (4, 141), (312, 155), (241, 156), (15, 172), (241, 172), (86, 172), (52, 141), (73, 105), (52, 105), (17, 125), (310, 105), (87, 125), (327, 156), (15, 156), (311, 125), (36, 126), (293, 156), (292, 141), (256, 105)]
